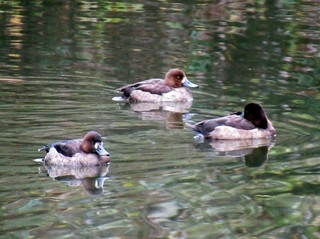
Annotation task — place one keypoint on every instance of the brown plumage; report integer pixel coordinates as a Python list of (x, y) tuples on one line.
[(85, 152), (154, 90), (252, 123)]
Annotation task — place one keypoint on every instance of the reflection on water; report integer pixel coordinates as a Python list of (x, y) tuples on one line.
[(91, 178), (176, 107), (173, 113), (163, 218), (61, 62), (253, 151)]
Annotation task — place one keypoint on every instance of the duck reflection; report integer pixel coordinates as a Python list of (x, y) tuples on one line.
[(163, 218), (90, 177), (173, 113), (253, 151), (161, 215)]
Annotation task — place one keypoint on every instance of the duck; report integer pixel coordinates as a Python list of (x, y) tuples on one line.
[(88, 151), (171, 88), (252, 123)]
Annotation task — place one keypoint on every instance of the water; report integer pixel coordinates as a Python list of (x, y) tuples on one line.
[(60, 65)]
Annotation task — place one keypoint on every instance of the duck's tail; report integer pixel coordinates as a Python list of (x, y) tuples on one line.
[(119, 99), (39, 160), (191, 127), (46, 148), (198, 136), (40, 149)]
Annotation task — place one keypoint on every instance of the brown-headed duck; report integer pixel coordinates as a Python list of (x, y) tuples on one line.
[(250, 124), (156, 90), (88, 151)]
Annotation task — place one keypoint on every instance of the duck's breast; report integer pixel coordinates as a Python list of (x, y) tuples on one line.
[(177, 94)]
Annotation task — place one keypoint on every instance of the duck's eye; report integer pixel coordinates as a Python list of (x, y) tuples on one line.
[(178, 77)]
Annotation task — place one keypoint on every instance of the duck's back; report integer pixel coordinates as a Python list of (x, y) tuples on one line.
[(67, 148), (153, 86), (233, 120)]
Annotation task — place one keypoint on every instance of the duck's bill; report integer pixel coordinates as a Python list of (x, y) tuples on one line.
[(187, 83), (100, 150)]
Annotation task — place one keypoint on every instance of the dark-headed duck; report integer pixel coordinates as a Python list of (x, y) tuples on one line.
[(252, 123), (156, 90), (77, 152)]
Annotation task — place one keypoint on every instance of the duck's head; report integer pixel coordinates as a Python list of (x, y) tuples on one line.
[(255, 114), (177, 78), (92, 143)]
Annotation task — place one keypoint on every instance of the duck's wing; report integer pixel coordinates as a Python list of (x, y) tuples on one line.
[(154, 86), (67, 148), (140, 83), (233, 120)]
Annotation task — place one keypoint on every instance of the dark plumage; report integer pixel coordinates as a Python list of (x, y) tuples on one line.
[(252, 123)]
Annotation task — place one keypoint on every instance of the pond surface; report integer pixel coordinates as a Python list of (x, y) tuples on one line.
[(61, 62)]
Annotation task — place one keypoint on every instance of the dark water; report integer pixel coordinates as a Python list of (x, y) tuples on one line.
[(61, 62)]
